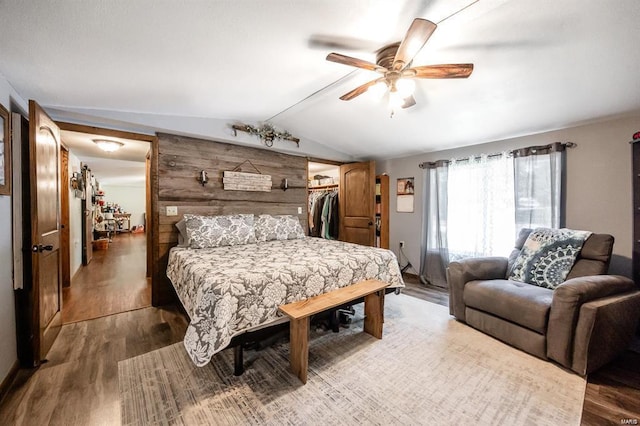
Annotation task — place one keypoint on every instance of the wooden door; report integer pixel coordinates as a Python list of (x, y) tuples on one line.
[(357, 203), (44, 182), (65, 231)]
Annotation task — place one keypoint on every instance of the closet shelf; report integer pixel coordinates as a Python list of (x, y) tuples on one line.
[(330, 185)]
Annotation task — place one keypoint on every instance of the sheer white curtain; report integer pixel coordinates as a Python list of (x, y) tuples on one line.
[(475, 207), (538, 186), (481, 207)]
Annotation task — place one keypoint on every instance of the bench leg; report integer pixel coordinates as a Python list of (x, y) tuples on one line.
[(374, 313), (299, 347)]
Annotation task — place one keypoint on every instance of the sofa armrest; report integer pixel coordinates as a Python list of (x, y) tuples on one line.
[(568, 297), (605, 329), (461, 272)]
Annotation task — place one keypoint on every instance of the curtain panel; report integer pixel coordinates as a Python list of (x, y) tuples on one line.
[(434, 256), (539, 178), (476, 206)]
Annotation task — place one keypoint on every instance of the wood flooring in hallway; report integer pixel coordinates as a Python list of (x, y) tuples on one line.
[(113, 282)]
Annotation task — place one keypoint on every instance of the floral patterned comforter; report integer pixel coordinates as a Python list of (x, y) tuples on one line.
[(228, 290)]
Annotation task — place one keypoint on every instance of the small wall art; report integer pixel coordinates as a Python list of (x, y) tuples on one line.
[(405, 192)]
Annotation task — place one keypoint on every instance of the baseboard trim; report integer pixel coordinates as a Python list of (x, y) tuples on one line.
[(11, 376)]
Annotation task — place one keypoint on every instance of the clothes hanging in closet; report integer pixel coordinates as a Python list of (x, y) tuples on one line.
[(323, 214)]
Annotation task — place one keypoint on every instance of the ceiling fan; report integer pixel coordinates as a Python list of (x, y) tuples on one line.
[(394, 63)]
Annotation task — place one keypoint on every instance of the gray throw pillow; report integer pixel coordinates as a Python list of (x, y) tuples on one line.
[(216, 231), (547, 256), (281, 227)]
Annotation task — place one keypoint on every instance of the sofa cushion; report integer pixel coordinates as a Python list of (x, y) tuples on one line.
[(547, 256), (523, 304)]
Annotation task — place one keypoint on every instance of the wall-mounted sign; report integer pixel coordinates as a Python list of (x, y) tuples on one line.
[(239, 181)]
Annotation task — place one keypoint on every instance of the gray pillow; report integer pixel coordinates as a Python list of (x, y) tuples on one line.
[(183, 241), (216, 231), (281, 227), (547, 256)]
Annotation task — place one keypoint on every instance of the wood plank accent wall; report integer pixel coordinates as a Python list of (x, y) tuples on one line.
[(176, 165)]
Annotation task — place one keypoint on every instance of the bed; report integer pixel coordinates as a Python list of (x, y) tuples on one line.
[(229, 290)]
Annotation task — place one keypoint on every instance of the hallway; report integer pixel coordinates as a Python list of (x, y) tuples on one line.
[(113, 282)]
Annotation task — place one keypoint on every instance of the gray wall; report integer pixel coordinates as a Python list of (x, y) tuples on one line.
[(599, 194)]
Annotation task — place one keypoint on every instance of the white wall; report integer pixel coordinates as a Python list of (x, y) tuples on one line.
[(131, 198), (75, 219), (599, 184), (8, 353)]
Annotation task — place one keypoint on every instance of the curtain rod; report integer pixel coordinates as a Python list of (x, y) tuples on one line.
[(520, 152)]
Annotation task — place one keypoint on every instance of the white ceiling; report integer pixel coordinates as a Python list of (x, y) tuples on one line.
[(125, 167), (194, 67)]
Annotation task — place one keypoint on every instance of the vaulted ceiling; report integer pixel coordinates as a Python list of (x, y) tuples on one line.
[(195, 67)]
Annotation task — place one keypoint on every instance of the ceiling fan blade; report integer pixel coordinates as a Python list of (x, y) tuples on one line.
[(443, 71), (354, 62), (409, 102), (417, 35), (325, 41), (359, 90)]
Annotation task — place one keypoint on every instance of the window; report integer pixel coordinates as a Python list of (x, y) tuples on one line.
[(481, 207), (476, 207)]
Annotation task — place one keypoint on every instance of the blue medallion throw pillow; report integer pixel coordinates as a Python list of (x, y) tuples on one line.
[(547, 256)]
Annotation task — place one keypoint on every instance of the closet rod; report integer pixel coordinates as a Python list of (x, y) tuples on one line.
[(324, 187)]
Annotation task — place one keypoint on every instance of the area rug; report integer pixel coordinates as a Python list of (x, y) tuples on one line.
[(427, 369)]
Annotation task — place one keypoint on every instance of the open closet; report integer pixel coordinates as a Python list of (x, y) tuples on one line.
[(323, 200), (347, 202)]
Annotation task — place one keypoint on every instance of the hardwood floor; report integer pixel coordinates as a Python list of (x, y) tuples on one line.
[(612, 396), (79, 383), (113, 282)]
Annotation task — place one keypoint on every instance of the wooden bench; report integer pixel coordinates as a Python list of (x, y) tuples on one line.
[(300, 313)]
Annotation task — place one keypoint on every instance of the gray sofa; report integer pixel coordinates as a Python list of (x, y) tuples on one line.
[(583, 324)]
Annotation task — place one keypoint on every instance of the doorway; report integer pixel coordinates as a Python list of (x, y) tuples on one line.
[(323, 185), (108, 205)]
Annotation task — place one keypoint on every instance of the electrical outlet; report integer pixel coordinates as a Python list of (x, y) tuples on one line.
[(172, 210), (401, 244), (299, 210)]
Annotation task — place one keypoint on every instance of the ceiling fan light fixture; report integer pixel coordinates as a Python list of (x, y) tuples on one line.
[(378, 90), (396, 100), (405, 87), (108, 145)]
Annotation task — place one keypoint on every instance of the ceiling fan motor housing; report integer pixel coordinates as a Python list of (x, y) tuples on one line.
[(386, 55)]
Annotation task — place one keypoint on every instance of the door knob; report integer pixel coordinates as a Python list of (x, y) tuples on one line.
[(40, 248), (370, 223)]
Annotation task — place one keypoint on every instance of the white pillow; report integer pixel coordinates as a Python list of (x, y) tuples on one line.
[(282, 227), (216, 231)]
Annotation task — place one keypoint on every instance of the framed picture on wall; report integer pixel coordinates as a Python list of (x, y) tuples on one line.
[(5, 152), (405, 186), (404, 192)]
